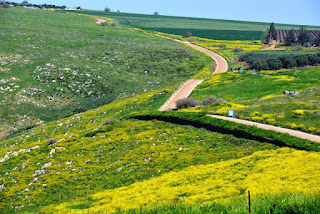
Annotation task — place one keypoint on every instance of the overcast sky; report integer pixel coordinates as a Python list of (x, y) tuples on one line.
[(302, 12)]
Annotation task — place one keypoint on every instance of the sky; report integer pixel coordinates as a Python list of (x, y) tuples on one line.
[(302, 12)]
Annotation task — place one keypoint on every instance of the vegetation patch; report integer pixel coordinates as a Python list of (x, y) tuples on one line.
[(51, 73), (260, 97), (266, 62), (220, 182)]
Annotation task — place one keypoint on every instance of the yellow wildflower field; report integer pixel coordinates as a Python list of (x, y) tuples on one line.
[(270, 172)]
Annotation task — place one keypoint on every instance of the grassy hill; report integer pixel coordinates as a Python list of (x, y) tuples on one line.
[(260, 97), (54, 65), (102, 160), (199, 27)]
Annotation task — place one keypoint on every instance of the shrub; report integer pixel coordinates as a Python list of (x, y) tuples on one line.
[(187, 34), (274, 64), (24, 3), (114, 24), (313, 59), (302, 60), (186, 103), (209, 101), (5, 5), (52, 141), (288, 61), (104, 24), (107, 122), (237, 49), (107, 9)]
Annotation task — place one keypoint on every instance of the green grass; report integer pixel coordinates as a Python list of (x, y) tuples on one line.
[(199, 27), (87, 161), (285, 203), (259, 97), (92, 158), (239, 130), (62, 64)]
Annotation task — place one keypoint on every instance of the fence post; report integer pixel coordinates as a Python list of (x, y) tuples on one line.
[(249, 202)]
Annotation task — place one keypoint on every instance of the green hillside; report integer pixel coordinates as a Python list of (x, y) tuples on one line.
[(92, 156), (260, 97), (54, 65), (199, 27)]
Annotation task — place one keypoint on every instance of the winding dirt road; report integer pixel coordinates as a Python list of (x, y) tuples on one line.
[(221, 66), (186, 88)]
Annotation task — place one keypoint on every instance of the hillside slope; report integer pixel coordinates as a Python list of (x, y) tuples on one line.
[(102, 161), (54, 65)]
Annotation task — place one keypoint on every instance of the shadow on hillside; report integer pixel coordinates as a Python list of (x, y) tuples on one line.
[(213, 128)]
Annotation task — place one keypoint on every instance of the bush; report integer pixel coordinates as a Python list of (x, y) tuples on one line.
[(288, 61), (114, 24), (302, 60), (104, 24), (313, 59), (5, 5), (108, 122), (209, 101), (186, 103), (52, 141), (237, 50), (187, 34), (274, 64)]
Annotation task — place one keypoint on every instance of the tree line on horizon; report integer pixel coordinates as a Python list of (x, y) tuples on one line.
[(7, 4)]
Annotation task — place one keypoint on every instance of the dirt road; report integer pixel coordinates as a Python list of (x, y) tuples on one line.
[(273, 128), (186, 88)]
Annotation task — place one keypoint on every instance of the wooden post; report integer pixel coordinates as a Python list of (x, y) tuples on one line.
[(249, 202)]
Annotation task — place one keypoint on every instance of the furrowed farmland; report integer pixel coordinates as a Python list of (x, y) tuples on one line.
[(81, 130), (204, 28)]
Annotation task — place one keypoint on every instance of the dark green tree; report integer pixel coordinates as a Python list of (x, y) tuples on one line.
[(273, 32), (303, 38), (6, 5), (290, 38), (317, 41), (24, 3), (187, 34)]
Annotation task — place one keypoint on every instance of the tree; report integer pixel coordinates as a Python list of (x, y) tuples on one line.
[(273, 32), (118, 11), (290, 39), (24, 3), (156, 13), (78, 8), (302, 60), (313, 59), (6, 5), (107, 9), (274, 64), (288, 61), (303, 38), (187, 34), (317, 41)]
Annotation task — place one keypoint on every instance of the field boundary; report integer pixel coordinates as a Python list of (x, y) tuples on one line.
[(230, 127)]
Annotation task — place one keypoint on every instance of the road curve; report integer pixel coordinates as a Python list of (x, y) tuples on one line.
[(294, 133), (186, 88)]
